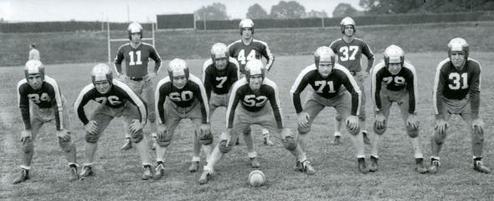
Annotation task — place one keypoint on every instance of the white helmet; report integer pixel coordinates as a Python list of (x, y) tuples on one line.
[(347, 21), (101, 72), (394, 54), (246, 23), (219, 50), (178, 67), (134, 27), (458, 44), (34, 67), (324, 54), (254, 67)]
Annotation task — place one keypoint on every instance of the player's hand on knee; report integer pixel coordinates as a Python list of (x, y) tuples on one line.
[(63, 134), (303, 119), (352, 122), (205, 128), (412, 121), (441, 125), (135, 126), (26, 135), (478, 125), (380, 121), (162, 130), (91, 127)]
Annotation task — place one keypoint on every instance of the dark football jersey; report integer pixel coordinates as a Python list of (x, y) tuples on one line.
[(136, 59), (184, 97), (349, 54), (255, 50), (118, 95), (48, 96), (405, 79), (328, 87), (219, 81), (254, 101), (455, 84)]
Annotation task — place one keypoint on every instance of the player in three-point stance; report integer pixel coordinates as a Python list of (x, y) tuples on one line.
[(181, 95), (394, 81), (326, 78), (40, 102), (248, 48), (136, 55), (115, 99), (349, 50), (457, 91), (254, 99)]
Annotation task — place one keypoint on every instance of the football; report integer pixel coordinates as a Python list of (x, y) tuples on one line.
[(257, 178)]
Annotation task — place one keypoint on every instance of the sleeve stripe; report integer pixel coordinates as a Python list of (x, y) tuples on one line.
[(301, 77), (234, 61), (58, 98), (157, 96), (276, 94), (137, 100), (480, 74), (203, 94), (83, 92), (374, 83), (205, 66), (233, 93), (19, 84), (353, 83), (415, 81), (268, 51), (436, 84)]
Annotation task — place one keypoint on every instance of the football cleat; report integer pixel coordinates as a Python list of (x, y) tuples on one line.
[(419, 166), (268, 141), (373, 166), (127, 145), (366, 137), (254, 163), (307, 168), (86, 171), (194, 166), (337, 140), (238, 141), (74, 175), (434, 166), (147, 173), (159, 171), (361, 166), (24, 175), (205, 176), (479, 166)]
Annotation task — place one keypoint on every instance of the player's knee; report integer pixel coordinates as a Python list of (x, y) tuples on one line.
[(353, 131), (413, 132), (164, 141), (65, 145), (303, 130), (206, 138), (439, 137), (247, 131), (137, 137), (289, 143), (151, 117), (225, 147), (379, 130), (28, 146), (478, 137), (362, 116), (91, 138)]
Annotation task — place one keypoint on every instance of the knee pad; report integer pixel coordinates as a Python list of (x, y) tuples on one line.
[(412, 132), (137, 136), (303, 130), (28, 146), (224, 148), (289, 143), (205, 138), (380, 130), (91, 138)]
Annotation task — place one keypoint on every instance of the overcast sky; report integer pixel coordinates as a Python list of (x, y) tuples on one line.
[(139, 10)]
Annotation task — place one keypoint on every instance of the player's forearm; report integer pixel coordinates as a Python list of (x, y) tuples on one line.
[(475, 104), (26, 117), (355, 103), (370, 63), (297, 103)]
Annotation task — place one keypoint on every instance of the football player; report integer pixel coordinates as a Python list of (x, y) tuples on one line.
[(457, 91), (248, 48), (326, 78), (394, 81), (40, 102), (136, 55), (115, 99), (254, 100), (181, 95), (349, 50)]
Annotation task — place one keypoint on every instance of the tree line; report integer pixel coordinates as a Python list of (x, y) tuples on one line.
[(293, 9)]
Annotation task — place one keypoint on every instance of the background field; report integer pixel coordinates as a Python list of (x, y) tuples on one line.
[(118, 173)]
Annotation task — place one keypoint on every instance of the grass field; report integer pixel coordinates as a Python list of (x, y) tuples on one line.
[(118, 173)]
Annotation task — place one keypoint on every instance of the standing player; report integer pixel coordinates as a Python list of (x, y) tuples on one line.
[(136, 55), (259, 102), (248, 48), (457, 91), (179, 96), (350, 50), (33, 52), (115, 99), (395, 81), (326, 78), (48, 104)]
